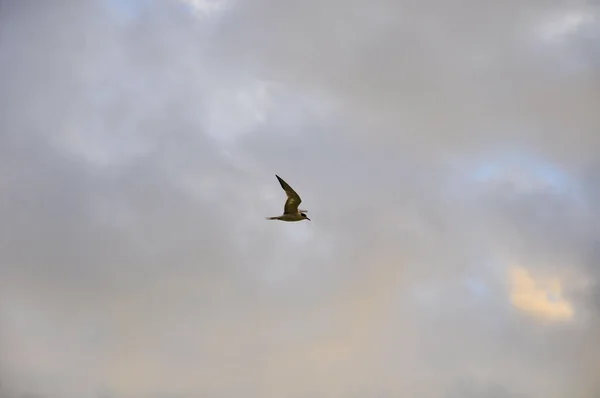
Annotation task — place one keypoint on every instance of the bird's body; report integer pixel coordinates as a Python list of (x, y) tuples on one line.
[(290, 209), (287, 217)]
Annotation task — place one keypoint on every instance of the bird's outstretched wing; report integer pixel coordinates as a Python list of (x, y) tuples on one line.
[(293, 199)]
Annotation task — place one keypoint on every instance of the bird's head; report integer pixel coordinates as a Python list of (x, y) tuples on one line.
[(304, 216)]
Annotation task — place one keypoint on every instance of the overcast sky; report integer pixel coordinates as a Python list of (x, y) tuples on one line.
[(447, 151)]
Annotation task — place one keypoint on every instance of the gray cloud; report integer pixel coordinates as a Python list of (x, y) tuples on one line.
[(447, 154)]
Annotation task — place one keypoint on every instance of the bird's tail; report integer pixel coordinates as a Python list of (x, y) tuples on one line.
[(272, 218)]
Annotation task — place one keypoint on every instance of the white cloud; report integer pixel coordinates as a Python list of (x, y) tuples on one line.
[(560, 25), (206, 8)]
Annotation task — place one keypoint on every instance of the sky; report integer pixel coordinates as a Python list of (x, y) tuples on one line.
[(447, 153)]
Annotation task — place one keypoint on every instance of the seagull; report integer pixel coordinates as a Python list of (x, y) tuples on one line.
[(290, 209)]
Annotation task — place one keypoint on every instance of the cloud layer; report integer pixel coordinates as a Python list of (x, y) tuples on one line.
[(447, 153)]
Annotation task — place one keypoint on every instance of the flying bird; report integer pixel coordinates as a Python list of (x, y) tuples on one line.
[(290, 209)]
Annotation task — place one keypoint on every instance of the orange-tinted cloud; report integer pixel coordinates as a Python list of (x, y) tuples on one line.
[(541, 298)]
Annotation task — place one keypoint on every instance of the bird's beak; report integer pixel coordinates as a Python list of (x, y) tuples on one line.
[(308, 219)]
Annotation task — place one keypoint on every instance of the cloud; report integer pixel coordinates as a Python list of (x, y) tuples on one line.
[(435, 145), (539, 299), (206, 8)]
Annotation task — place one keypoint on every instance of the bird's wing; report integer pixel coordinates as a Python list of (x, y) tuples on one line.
[(293, 199)]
